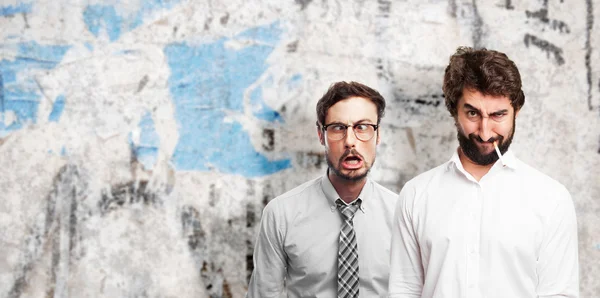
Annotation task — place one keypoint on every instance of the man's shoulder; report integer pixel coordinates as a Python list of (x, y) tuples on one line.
[(302, 190), (424, 178), (384, 197), (383, 191), (533, 176), (540, 185)]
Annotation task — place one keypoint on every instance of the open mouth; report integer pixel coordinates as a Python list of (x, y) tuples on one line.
[(352, 162)]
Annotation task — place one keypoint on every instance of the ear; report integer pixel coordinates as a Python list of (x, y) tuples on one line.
[(321, 136), (517, 112), (378, 135)]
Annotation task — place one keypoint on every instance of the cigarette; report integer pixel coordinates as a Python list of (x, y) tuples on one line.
[(498, 152)]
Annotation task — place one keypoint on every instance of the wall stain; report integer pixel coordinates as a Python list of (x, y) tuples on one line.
[(292, 46), (67, 188), (129, 193), (207, 23), (545, 46), (269, 134), (25, 20), (211, 274), (224, 19), (477, 26), (268, 194), (588, 50), (303, 3), (416, 105), (143, 82), (192, 229), (452, 8), (213, 196), (384, 7), (542, 15), (508, 5), (311, 159)]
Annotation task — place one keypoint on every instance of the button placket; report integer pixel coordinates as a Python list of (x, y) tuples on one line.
[(473, 240)]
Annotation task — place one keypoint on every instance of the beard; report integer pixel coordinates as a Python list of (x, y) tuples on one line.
[(354, 175), (469, 147)]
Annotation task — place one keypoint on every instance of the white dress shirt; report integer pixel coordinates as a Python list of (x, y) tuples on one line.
[(297, 243), (512, 234)]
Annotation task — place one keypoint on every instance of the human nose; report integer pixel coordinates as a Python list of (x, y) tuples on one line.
[(350, 138), (485, 129)]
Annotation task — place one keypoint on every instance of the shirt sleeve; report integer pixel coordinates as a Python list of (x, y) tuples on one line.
[(268, 276), (406, 270), (558, 265)]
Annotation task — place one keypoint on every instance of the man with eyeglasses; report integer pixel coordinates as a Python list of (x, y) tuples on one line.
[(330, 237)]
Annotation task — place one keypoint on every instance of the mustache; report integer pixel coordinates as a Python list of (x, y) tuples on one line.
[(499, 138), (351, 151)]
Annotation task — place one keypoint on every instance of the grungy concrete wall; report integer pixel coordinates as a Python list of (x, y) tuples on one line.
[(140, 140)]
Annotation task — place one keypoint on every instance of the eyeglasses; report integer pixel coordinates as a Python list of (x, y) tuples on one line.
[(362, 131)]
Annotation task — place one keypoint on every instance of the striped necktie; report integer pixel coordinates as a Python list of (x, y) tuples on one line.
[(347, 252)]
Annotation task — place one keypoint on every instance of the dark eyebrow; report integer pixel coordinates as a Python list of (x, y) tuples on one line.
[(503, 111), (361, 121), (470, 107)]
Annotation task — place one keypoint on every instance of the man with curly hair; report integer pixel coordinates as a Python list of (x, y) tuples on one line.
[(484, 224)]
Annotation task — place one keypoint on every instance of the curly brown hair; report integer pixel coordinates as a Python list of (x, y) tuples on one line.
[(487, 71), (344, 90)]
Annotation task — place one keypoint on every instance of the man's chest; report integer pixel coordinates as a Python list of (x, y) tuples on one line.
[(476, 222), (311, 246)]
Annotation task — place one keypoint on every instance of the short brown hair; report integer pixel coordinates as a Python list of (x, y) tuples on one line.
[(343, 90), (487, 71)]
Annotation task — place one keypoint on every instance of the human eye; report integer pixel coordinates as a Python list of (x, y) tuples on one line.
[(472, 114), (337, 127), (499, 115), (361, 127)]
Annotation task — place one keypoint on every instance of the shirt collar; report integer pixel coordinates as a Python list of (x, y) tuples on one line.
[(510, 161), (332, 195)]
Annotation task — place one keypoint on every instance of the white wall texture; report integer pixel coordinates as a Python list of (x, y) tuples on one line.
[(140, 140)]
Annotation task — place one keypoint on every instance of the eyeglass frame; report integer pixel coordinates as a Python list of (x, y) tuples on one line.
[(375, 127)]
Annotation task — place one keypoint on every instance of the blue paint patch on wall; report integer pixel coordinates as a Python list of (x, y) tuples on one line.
[(1, 97), (105, 17), (269, 34), (24, 105), (207, 82), (114, 22), (295, 80), (260, 109), (146, 149), (57, 108), (11, 10), (19, 91)]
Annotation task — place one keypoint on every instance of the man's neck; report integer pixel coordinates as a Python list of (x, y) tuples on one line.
[(346, 189), (476, 170)]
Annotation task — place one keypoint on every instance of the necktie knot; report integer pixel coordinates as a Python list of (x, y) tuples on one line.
[(348, 211)]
